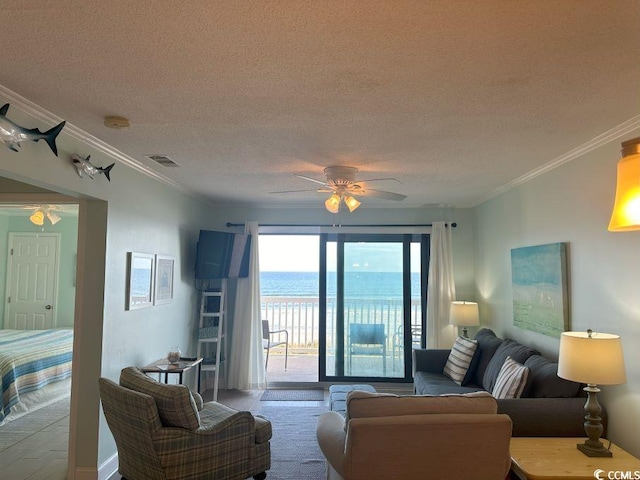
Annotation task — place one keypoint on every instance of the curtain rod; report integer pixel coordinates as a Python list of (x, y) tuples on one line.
[(229, 224)]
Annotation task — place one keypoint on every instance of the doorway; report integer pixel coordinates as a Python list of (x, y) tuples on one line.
[(372, 305), (353, 305), (32, 281), (39, 266), (289, 288)]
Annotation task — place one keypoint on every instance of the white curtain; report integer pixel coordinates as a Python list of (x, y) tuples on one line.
[(442, 290), (246, 362)]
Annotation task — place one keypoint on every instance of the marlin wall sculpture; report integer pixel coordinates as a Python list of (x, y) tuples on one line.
[(12, 135), (83, 165)]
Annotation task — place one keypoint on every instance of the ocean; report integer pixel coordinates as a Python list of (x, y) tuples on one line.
[(370, 285)]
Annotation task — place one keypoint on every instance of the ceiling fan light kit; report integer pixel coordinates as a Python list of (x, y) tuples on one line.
[(48, 211)]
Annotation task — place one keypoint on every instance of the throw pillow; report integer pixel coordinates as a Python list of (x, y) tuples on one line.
[(508, 348), (460, 358), (511, 380), (545, 382), (488, 343)]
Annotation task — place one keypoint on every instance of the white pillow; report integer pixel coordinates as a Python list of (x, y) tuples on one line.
[(460, 358), (511, 379)]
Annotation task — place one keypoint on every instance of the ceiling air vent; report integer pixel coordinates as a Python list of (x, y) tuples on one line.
[(162, 160)]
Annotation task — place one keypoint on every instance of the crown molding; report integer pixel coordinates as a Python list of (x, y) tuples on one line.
[(36, 111), (616, 132)]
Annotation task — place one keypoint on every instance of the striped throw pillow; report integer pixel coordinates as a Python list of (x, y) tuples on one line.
[(460, 358), (511, 379)]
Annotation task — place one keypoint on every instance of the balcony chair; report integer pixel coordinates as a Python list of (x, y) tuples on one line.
[(268, 344), (164, 432), (398, 342), (368, 339)]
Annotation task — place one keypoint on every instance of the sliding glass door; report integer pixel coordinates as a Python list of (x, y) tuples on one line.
[(371, 305)]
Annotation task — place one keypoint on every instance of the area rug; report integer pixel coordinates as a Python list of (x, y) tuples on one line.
[(281, 395), (23, 427), (295, 454)]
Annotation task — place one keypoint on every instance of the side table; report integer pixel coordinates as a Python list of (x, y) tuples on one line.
[(557, 458), (163, 366)]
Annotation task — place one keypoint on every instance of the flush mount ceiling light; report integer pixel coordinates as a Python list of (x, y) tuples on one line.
[(44, 211), (116, 122), (626, 209)]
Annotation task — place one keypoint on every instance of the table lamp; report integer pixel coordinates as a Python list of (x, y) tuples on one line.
[(595, 359), (464, 314)]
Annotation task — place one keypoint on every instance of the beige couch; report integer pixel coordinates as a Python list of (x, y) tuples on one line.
[(407, 437)]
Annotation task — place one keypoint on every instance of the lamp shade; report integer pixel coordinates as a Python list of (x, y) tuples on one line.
[(53, 217), (591, 358), (626, 209), (351, 203), (464, 314), (37, 217), (333, 203)]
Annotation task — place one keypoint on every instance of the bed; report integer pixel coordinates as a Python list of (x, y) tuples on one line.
[(36, 369)]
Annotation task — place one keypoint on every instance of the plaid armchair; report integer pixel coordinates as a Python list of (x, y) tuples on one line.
[(164, 432)]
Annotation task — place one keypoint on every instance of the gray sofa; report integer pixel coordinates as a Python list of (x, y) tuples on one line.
[(549, 406)]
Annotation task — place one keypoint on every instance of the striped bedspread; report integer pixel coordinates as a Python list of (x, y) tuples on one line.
[(31, 359)]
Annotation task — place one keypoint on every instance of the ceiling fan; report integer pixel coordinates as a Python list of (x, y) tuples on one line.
[(342, 185)]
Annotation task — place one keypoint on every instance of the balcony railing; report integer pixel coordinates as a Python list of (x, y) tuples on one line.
[(301, 318)]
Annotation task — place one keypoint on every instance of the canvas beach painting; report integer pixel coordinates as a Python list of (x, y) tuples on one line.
[(539, 283)]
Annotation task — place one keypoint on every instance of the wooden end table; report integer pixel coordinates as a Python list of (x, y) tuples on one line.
[(557, 458), (163, 366)]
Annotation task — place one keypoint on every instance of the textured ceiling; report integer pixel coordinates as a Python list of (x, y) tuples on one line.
[(455, 99)]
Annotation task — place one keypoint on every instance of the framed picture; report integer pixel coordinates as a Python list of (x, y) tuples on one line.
[(163, 292), (140, 277), (539, 284)]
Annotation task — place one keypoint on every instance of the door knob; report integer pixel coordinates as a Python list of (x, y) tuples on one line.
[(48, 307)]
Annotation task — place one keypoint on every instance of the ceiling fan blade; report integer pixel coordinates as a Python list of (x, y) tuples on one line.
[(370, 192), (365, 182), (321, 182), (294, 191)]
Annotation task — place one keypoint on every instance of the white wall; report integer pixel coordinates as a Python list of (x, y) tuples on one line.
[(570, 204)]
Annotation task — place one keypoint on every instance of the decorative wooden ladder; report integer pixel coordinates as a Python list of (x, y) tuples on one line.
[(212, 333)]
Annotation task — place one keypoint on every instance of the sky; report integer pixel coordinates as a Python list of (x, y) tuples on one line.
[(300, 253), (289, 253)]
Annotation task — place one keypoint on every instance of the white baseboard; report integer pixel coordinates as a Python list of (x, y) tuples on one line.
[(108, 468), (85, 473)]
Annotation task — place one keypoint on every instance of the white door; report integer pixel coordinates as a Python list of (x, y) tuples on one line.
[(32, 281)]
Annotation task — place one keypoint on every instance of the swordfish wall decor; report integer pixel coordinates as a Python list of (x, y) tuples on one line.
[(84, 166), (12, 134)]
